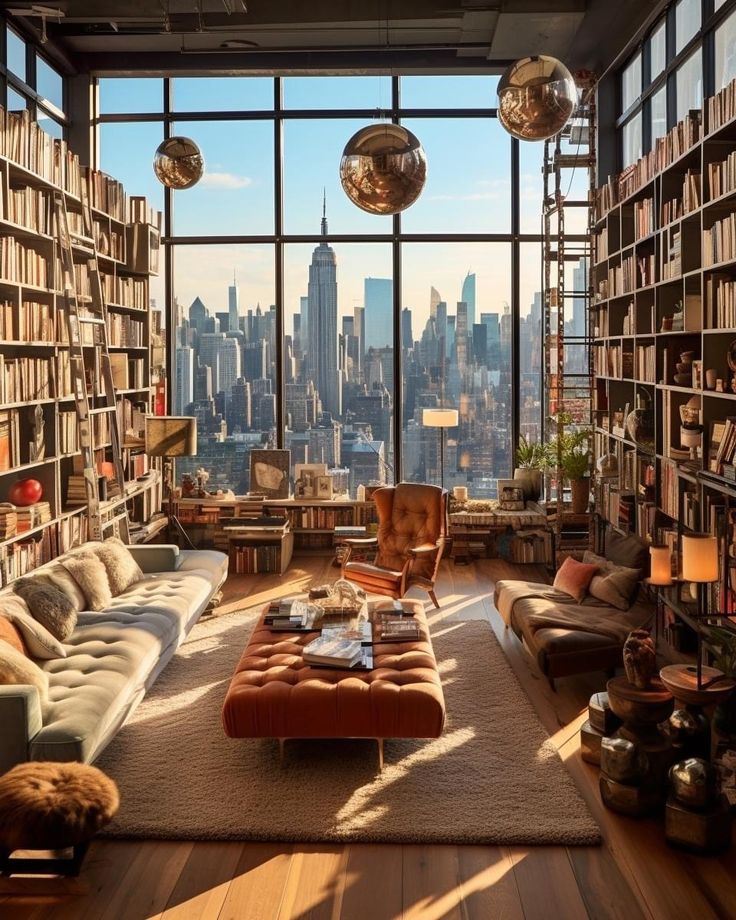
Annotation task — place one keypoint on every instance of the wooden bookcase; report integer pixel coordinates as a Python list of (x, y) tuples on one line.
[(35, 379), (664, 283)]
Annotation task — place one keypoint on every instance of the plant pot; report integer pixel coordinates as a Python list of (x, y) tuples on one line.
[(530, 480), (580, 489)]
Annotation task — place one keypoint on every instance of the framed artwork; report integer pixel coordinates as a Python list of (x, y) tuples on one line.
[(323, 488), (305, 475), (269, 472)]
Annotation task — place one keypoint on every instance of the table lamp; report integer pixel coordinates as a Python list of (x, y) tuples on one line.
[(440, 418), (660, 575), (700, 566), (170, 436)]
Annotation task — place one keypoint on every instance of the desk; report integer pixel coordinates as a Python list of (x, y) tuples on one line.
[(477, 532)]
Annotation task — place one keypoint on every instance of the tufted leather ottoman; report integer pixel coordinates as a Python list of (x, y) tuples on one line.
[(275, 694)]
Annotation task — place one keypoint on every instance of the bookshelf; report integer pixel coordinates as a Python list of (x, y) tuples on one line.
[(38, 423), (664, 317)]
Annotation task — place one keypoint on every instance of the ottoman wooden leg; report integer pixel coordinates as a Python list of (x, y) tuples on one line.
[(380, 754)]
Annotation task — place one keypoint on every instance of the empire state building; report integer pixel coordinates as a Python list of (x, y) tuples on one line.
[(322, 323)]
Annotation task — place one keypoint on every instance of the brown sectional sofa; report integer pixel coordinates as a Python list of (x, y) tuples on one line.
[(552, 625)]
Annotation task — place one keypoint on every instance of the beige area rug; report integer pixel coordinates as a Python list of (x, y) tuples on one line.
[(493, 776)]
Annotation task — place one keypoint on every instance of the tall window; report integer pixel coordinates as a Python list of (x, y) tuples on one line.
[(32, 83), (288, 324)]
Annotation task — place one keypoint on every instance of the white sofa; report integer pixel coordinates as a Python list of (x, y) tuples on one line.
[(113, 657)]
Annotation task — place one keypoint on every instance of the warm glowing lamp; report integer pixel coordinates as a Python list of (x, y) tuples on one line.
[(660, 565), (699, 557), (441, 418)]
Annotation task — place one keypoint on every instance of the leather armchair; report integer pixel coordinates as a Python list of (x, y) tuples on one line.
[(412, 527)]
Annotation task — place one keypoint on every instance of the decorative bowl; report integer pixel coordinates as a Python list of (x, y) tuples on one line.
[(690, 415)]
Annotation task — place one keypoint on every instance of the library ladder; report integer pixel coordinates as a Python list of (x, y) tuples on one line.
[(90, 360)]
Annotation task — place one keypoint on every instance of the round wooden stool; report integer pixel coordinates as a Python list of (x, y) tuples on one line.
[(52, 806)]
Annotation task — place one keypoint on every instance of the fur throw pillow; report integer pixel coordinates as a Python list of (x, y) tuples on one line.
[(122, 569), (89, 573), (50, 606), (16, 668), (10, 633), (58, 576), (39, 641)]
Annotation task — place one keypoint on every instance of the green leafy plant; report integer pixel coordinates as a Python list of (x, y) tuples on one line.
[(570, 450), (531, 455)]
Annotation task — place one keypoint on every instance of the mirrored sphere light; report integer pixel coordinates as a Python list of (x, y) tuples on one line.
[(536, 98), (383, 168), (178, 163)]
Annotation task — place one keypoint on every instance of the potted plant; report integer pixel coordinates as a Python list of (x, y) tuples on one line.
[(722, 642), (570, 452), (531, 461)]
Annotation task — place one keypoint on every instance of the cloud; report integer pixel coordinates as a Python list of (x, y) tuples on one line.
[(225, 180)]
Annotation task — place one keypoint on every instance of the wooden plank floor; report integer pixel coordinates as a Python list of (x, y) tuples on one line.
[(633, 875)]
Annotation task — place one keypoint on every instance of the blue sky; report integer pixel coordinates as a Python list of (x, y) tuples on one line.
[(467, 189)]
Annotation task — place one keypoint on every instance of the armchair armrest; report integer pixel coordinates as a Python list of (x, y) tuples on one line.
[(20, 717), (360, 541), (155, 557), (426, 549)]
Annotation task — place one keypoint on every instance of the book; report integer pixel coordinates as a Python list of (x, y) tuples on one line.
[(333, 651), (390, 628)]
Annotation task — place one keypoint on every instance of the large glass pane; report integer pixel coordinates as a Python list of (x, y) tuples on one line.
[(221, 94), (120, 95), (468, 186), (689, 83), (531, 187), (126, 152), (458, 296), (312, 152), (225, 352), (49, 83), (631, 136), (16, 102), (659, 113), (687, 22), (235, 194), (657, 51), (466, 92), (50, 125), (631, 82), (530, 341), (16, 53), (368, 93), (726, 51), (339, 360)]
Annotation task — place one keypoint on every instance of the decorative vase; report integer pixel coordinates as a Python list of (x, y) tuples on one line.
[(640, 660), (640, 424), (580, 489), (530, 481)]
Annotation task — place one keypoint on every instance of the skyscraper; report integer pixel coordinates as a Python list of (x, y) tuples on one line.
[(407, 336), (322, 323), (468, 297), (232, 304), (379, 311)]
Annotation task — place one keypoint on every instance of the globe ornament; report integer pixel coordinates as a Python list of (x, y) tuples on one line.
[(536, 98), (178, 163), (383, 168)]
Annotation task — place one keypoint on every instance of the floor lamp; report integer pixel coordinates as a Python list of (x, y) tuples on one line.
[(441, 418), (171, 436)]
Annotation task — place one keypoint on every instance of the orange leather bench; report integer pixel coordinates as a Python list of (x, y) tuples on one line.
[(275, 694)]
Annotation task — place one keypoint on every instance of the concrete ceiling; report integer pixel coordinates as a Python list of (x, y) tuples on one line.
[(231, 36)]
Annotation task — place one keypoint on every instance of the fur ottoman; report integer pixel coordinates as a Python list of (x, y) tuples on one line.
[(52, 806)]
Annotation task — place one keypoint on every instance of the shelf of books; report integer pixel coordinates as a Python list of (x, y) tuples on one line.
[(38, 421), (664, 317)]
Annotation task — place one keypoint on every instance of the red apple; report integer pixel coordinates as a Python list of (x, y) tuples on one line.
[(25, 492)]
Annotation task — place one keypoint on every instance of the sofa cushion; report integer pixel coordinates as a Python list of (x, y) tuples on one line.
[(573, 578), (209, 560), (58, 576), (628, 550), (615, 585), (121, 568), (17, 668), (10, 633), (91, 576), (39, 641), (48, 605)]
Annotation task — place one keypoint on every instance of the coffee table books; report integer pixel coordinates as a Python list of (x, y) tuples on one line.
[(388, 627), (334, 651), (292, 614)]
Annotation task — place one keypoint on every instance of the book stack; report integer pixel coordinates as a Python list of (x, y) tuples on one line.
[(291, 614), (334, 652), (392, 628), (722, 445), (8, 521), (76, 492), (31, 516)]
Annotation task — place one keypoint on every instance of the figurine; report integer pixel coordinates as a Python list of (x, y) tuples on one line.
[(202, 478), (187, 486), (640, 660)]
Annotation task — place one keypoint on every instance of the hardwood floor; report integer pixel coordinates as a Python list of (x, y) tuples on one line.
[(632, 875)]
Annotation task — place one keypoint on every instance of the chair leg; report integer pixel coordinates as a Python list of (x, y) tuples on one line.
[(431, 593)]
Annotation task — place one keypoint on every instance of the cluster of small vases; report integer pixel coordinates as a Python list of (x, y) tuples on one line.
[(684, 368)]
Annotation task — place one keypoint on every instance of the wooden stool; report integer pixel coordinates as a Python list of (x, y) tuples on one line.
[(52, 806)]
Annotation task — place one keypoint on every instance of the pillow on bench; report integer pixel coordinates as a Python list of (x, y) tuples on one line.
[(573, 578), (613, 584)]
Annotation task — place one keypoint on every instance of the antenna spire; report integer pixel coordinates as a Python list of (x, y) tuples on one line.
[(324, 212)]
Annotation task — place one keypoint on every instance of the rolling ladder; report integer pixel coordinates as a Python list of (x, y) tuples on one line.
[(88, 349), (568, 222)]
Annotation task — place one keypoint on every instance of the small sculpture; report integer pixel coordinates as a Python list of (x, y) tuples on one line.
[(640, 659), (202, 478), (187, 486)]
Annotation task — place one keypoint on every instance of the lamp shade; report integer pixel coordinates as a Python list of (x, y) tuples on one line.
[(440, 418), (660, 565), (171, 435), (699, 557)]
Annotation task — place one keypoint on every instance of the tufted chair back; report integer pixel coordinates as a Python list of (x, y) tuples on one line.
[(409, 515)]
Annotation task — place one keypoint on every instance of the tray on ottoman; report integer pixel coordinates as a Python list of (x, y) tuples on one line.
[(274, 693)]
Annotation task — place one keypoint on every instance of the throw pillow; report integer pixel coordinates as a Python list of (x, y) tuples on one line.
[(10, 633), (615, 584), (39, 641), (89, 573), (50, 606), (573, 578), (18, 669), (627, 550), (122, 569), (58, 576)]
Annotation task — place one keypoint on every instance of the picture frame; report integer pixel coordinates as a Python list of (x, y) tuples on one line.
[(269, 472), (305, 475), (323, 488)]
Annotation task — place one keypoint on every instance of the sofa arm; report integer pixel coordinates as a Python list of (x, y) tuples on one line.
[(20, 718), (156, 557)]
